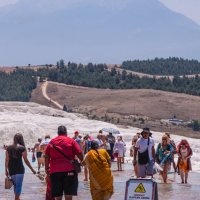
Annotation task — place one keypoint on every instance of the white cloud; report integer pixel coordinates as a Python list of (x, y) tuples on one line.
[(189, 8), (7, 2)]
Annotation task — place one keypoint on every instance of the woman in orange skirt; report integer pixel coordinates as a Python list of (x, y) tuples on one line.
[(184, 163)]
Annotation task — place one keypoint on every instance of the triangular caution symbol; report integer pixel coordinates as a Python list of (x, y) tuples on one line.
[(140, 188)]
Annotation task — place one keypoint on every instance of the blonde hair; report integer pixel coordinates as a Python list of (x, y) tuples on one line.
[(135, 138), (165, 137), (167, 134), (168, 137)]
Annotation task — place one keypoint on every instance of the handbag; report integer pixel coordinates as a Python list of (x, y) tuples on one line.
[(77, 166), (75, 163), (115, 154), (143, 158), (8, 183)]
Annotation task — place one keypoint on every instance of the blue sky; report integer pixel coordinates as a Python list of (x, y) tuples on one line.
[(189, 8)]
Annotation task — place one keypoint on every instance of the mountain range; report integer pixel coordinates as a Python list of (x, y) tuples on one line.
[(101, 31)]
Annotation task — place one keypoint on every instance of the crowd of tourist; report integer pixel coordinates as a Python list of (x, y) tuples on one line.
[(62, 157)]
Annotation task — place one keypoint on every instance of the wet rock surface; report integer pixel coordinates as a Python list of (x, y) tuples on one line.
[(34, 189)]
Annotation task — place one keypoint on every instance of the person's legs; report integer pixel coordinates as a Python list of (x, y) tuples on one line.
[(85, 173), (17, 197), (68, 197), (186, 177), (122, 160), (118, 165), (136, 170), (56, 185), (111, 149), (58, 198), (149, 168), (70, 184), (164, 172), (48, 188), (17, 181), (42, 161), (141, 170), (39, 159), (39, 164), (174, 164), (182, 176)]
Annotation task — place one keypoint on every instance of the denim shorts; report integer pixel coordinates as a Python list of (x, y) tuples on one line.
[(147, 169), (17, 182)]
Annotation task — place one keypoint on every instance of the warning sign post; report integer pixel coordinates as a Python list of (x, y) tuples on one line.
[(144, 189)]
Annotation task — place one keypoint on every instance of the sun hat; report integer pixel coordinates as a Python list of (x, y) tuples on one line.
[(146, 130)]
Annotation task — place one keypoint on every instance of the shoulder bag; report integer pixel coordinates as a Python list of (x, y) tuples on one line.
[(75, 163), (143, 158)]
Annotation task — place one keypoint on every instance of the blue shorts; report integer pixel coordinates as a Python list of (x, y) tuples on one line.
[(146, 170), (17, 182)]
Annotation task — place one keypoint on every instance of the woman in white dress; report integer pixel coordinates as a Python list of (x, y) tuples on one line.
[(119, 149)]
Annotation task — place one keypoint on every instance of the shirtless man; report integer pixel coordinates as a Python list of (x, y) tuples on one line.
[(43, 146), (38, 151), (44, 143)]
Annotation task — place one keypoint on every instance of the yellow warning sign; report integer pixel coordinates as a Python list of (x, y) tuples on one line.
[(140, 188)]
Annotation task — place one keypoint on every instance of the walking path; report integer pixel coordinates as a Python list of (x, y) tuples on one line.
[(44, 92), (45, 95)]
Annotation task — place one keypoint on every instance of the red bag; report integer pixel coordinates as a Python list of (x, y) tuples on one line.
[(115, 155)]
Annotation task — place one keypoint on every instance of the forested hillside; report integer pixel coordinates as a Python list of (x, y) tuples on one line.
[(161, 66), (17, 86), (98, 76)]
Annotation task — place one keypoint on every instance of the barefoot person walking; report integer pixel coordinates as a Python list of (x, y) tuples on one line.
[(59, 168), (13, 164), (38, 151), (144, 152), (119, 148), (101, 179), (184, 162)]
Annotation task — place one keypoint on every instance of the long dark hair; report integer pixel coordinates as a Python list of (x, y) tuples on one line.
[(18, 139)]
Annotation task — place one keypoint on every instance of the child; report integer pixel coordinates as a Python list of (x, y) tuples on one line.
[(184, 163), (120, 149)]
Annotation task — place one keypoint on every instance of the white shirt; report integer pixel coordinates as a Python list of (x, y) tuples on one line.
[(184, 152), (141, 144), (100, 142), (119, 147)]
